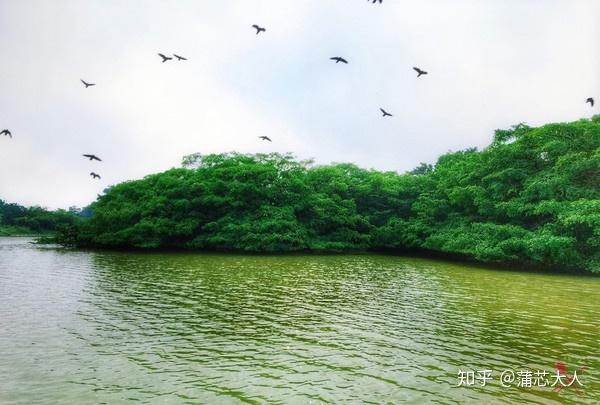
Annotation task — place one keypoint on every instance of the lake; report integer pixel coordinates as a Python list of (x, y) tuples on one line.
[(81, 327)]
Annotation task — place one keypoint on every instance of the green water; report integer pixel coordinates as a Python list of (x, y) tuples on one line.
[(96, 327)]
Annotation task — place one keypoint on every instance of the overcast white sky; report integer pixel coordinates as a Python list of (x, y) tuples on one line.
[(491, 63)]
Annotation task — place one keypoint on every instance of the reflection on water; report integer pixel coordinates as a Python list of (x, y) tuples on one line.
[(90, 327)]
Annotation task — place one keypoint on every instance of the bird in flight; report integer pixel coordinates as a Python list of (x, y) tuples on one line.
[(6, 132), (385, 113), (419, 71), (375, 1), (164, 58), (179, 57), (86, 84), (590, 100), (93, 157), (95, 175), (265, 138), (259, 29), (339, 59)]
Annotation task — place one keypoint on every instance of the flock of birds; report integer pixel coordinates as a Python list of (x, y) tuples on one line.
[(259, 29), (166, 58)]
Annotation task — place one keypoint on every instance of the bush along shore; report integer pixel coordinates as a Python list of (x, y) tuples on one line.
[(17, 220), (531, 198)]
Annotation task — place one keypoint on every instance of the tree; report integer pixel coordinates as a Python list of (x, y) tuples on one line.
[(532, 198)]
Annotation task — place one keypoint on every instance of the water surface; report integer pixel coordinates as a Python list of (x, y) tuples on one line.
[(96, 327)]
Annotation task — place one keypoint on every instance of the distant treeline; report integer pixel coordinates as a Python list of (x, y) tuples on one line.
[(531, 198), (16, 219)]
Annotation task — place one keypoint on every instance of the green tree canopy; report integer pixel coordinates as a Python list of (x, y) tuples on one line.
[(532, 197)]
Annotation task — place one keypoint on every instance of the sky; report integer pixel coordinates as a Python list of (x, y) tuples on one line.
[(491, 64)]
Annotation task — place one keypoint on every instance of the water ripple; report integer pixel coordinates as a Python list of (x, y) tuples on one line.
[(89, 327)]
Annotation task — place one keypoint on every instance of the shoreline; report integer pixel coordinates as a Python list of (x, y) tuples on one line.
[(420, 254)]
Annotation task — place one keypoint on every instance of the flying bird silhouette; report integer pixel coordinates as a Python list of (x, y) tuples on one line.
[(590, 100), (164, 58), (419, 71), (375, 1), (93, 157), (6, 132), (265, 138), (95, 175), (385, 113), (259, 29), (179, 57), (339, 59), (86, 84)]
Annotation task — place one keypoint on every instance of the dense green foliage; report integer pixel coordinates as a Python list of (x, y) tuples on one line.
[(16, 219), (532, 197)]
